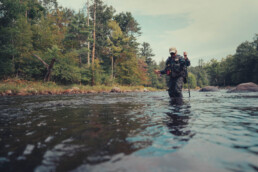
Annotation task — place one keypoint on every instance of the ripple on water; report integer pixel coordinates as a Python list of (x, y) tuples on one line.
[(130, 132)]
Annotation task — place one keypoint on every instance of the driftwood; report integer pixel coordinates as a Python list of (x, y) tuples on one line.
[(49, 67)]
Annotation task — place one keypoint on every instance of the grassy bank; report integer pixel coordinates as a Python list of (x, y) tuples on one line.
[(23, 87)]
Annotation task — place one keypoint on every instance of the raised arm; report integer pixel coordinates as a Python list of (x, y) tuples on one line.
[(187, 61)]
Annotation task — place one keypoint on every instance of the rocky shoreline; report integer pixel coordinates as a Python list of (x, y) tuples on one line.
[(74, 90), (27, 88)]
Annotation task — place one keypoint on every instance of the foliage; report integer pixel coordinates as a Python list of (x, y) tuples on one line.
[(191, 80), (46, 29), (235, 69)]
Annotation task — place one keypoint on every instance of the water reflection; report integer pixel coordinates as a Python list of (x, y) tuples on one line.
[(63, 139), (178, 122), (66, 133)]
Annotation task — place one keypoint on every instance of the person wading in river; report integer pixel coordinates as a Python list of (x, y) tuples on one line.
[(176, 68)]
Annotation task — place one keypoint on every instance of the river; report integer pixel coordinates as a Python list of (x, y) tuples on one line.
[(215, 131)]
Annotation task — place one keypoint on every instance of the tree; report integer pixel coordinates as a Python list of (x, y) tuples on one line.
[(213, 69), (103, 15), (191, 80), (128, 24), (115, 42), (146, 52)]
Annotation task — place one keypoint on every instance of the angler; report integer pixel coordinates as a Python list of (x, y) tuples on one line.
[(176, 68)]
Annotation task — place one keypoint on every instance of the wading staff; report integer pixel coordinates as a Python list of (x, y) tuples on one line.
[(187, 80)]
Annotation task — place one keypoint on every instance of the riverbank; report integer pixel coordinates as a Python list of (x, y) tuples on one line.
[(13, 87)]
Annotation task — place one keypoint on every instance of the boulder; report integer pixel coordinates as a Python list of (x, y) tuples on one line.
[(145, 90), (22, 93), (8, 92), (208, 89), (127, 91), (76, 88), (68, 91), (115, 90), (91, 91), (245, 87)]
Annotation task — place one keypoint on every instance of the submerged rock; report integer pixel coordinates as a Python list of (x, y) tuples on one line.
[(115, 90), (208, 88), (245, 87)]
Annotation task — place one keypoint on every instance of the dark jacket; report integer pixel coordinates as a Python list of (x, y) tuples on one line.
[(176, 67)]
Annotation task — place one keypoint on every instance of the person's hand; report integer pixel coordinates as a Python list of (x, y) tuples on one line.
[(185, 55), (157, 72)]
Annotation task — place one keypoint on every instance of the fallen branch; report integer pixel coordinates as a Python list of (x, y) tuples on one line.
[(40, 59), (49, 67)]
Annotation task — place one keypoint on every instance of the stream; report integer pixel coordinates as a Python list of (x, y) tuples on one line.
[(212, 131)]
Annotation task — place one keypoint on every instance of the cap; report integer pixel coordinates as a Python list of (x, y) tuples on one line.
[(172, 50)]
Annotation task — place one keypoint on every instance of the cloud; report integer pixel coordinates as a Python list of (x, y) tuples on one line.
[(218, 28), (74, 4), (214, 28)]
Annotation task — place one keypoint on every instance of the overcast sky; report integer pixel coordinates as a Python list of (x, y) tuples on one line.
[(204, 28)]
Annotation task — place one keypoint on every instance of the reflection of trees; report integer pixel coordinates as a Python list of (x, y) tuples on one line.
[(178, 120), (102, 130), (81, 134)]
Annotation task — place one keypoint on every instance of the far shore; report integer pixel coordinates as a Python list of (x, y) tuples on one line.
[(16, 87)]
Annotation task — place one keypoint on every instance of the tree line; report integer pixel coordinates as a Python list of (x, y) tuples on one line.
[(93, 46), (234, 69), (41, 40)]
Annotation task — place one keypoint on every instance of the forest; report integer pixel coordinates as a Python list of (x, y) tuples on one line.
[(41, 40)]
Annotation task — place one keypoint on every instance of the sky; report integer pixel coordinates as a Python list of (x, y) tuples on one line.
[(205, 29)]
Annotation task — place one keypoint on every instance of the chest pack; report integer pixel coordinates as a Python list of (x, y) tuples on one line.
[(175, 67)]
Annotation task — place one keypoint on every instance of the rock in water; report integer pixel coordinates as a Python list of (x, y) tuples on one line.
[(245, 87), (76, 88), (116, 90), (145, 90), (8, 92), (209, 88)]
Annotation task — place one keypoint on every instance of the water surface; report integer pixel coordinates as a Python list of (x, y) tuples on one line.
[(215, 131)]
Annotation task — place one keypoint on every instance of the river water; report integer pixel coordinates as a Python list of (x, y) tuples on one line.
[(215, 131)]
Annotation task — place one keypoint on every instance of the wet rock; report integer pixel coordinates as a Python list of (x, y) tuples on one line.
[(92, 91), (115, 90), (72, 90), (68, 91), (8, 92), (105, 92), (245, 87), (208, 89), (76, 88), (21, 94), (145, 90), (3, 94), (84, 91), (50, 93), (34, 92)]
